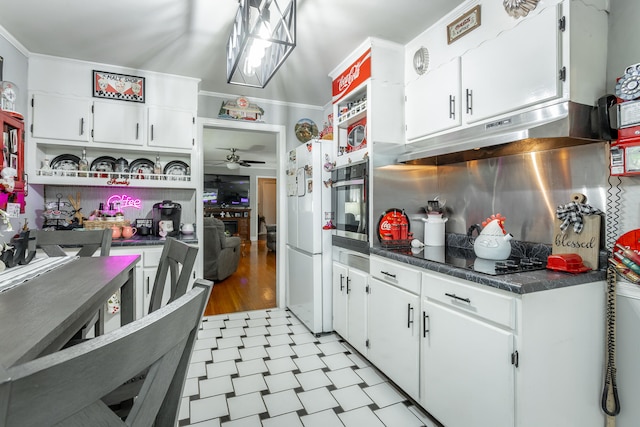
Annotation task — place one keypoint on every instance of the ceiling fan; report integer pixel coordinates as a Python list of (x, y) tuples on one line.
[(234, 161)]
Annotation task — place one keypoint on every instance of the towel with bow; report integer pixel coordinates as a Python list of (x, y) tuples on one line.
[(572, 213)]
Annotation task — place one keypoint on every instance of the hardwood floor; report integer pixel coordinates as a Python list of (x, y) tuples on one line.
[(251, 287)]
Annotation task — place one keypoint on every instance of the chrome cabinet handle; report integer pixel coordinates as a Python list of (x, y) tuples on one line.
[(425, 316), (386, 273), (341, 283), (81, 125), (137, 130), (152, 132), (348, 281), (469, 101), (452, 107), (467, 300), (409, 316)]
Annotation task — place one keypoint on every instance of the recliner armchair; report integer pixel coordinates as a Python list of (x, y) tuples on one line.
[(272, 234), (221, 253)]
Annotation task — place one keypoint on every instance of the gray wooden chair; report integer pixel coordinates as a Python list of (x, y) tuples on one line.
[(89, 241), (65, 388), (51, 242), (176, 262)]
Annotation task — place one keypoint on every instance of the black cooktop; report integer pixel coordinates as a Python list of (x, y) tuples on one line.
[(465, 258)]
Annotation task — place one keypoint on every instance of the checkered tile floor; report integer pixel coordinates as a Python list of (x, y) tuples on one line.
[(264, 368)]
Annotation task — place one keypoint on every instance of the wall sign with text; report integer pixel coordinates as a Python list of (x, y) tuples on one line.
[(118, 86), (463, 25)]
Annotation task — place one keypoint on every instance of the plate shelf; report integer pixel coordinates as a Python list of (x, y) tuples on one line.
[(115, 179)]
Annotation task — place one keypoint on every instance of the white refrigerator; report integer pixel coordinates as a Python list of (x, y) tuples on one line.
[(309, 263)]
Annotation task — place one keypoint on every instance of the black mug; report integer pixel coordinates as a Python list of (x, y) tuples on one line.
[(143, 230)]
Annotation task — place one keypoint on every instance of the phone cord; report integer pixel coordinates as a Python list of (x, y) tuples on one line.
[(610, 386)]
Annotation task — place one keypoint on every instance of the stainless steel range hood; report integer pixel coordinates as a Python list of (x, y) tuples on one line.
[(555, 126)]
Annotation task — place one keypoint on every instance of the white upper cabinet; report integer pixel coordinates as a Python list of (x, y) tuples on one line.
[(519, 68), (433, 102), (504, 66), (118, 123), (60, 118), (170, 128), (66, 117)]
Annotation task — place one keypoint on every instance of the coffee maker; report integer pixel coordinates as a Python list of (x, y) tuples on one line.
[(166, 217)]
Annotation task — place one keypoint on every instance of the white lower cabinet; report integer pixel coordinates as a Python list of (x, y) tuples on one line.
[(474, 355), (350, 305), (467, 375), (495, 358), (394, 334), (394, 323)]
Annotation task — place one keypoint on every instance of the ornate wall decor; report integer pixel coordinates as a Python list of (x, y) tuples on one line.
[(519, 8)]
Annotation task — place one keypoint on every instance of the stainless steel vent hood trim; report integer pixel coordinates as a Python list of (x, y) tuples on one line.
[(568, 122)]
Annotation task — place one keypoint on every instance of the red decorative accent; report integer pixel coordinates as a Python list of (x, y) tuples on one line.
[(352, 77), (392, 225)]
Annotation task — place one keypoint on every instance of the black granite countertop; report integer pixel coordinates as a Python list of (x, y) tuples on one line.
[(519, 283), (152, 240)]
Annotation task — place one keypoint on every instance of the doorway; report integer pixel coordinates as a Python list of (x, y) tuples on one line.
[(267, 203), (260, 275)]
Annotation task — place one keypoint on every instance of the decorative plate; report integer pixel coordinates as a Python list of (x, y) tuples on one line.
[(104, 164), (65, 162), (387, 221), (305, 130), (176, 168), (141, 166)]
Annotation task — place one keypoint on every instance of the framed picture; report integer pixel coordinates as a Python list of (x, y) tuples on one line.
[(14, 161), (463, 25), (118, 86), (245, 214)]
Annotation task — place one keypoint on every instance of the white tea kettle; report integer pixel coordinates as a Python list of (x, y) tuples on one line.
[(493, 243)]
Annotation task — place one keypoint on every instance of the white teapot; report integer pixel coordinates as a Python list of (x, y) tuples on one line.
[(493, 243)]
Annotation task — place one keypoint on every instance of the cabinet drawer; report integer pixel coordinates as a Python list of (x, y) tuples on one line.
[(152, 257), (395, 273), (486, 304)]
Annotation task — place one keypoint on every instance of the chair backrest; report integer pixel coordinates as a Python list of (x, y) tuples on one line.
[(89, 241), (66, 387), (176, 262)]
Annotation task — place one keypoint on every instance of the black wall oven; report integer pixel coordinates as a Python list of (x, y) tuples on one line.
[(350, 200)]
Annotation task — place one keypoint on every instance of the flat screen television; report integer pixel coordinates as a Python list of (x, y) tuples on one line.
[(229, 190)]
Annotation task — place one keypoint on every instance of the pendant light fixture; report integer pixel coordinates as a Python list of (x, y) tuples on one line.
[(262, 37)]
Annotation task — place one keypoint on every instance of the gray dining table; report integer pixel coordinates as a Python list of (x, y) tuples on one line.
[(40, 315)]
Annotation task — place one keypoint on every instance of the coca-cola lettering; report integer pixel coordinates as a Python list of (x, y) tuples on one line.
[(353, 75), (345, 81), (385, 225)]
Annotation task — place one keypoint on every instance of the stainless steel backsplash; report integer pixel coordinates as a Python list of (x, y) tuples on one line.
[(525, 188)]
